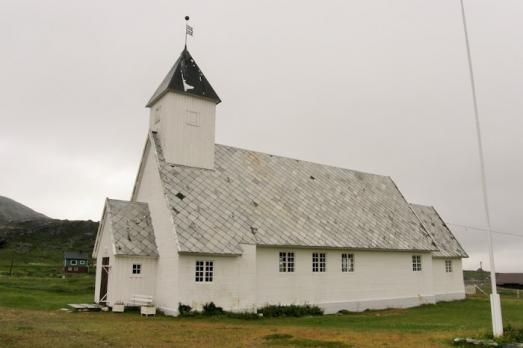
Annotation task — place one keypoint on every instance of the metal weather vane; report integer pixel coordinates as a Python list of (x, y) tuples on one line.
[(188, 29)]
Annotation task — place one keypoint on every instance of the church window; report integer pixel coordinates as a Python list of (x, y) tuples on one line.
[(192, 118), (448, 266), (286, 261), (137, 268), (204, 271), (319, 262), (157, 114), (347, 262), (416, 263)]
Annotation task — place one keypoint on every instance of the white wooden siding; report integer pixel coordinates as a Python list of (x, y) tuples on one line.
[(184, 143)]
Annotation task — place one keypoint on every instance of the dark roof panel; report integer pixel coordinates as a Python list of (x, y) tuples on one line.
[(185, 77), (509, 278), (80, 255)]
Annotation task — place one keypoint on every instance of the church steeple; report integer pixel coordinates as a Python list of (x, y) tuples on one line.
[(185, 77), (183, 113)]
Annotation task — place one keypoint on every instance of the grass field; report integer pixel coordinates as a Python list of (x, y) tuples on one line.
[(31, 317)]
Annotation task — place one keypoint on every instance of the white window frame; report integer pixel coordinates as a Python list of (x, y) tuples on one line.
[(82, 262), (448, 266), (319, 262), (74, 262), (204, 271), (416, 263), (136, 269), (286, 261), (347, 262), (192, 118)]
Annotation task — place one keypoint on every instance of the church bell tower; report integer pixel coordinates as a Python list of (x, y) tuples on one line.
[(182, 112)]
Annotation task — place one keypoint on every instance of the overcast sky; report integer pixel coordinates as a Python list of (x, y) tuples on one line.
[(376, 85)]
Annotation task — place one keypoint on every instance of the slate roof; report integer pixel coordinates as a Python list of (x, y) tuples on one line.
[(256, 198), (78, 255), (185, 77), (131, 227), (447, 244)]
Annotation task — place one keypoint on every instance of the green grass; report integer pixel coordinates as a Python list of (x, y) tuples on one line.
[(31, 318), (289, 340), (471, 314), (45, 293), (29, 307)]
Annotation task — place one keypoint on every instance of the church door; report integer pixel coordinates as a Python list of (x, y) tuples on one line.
[(104, 280)]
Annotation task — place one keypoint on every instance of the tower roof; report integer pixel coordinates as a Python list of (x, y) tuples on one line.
[(185, 77)]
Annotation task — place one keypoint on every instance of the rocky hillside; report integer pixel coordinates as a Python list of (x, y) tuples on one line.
[(12, 211), (33, 237)]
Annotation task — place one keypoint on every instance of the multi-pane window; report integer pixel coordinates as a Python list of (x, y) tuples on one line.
[(209, 271), (347, 262), (137, 268), (416, 263), (318, 262), (204, 271), (448, 266), (286, 261)]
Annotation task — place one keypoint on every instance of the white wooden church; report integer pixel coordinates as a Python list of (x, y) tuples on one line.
[(243, 229)]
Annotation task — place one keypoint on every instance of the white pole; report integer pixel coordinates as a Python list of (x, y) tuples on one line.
[(495, 303)]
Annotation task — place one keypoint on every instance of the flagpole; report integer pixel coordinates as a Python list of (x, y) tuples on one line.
[(495, 303), (186, 24)]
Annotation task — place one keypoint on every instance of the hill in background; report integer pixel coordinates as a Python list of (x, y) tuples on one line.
[(35, 243), (12, 211)]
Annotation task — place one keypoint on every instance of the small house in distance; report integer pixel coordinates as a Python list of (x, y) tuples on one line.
[(76, 262), (510, 280)]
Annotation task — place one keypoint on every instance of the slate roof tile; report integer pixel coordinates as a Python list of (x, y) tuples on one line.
[(287, 202), (447, 244), (132, 228)]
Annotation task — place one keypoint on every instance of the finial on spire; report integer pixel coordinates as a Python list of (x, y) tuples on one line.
[(188, 30)]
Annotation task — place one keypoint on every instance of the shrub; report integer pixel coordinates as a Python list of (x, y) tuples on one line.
[(184, 309), (290, 311), (242, 315), (513, 334), (211, 309)]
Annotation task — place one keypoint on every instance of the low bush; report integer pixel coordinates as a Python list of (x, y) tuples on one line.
[(242, 315), (211, 309), (513, 334), (184, 309), (290, 310)]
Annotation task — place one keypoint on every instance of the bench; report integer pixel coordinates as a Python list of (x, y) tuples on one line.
[(141, 300), (146, 304)]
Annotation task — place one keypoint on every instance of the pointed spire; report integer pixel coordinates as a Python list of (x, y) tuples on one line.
[(185, 77)]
